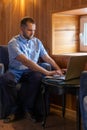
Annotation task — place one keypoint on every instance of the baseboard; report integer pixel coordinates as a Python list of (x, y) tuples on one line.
[(69, 114)]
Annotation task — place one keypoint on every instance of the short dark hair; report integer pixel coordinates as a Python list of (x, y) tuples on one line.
[(25, 20)]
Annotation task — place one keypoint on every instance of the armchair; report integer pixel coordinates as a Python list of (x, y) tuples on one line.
[(4, 62), (83, 98)]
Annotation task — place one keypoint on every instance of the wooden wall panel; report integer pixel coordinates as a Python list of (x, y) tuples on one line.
[(1, 22), (75, 3), (12, 14), (13, 11), (39, 17), (54, 5), (84, 2), (65, 42), (58, 4), (29, 8), (65, 30), (66, 4)]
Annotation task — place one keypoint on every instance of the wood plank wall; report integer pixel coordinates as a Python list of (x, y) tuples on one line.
[(65, 33), (11, 11)]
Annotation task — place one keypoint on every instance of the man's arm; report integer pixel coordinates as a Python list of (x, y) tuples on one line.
[(30, 64), (49, 60)]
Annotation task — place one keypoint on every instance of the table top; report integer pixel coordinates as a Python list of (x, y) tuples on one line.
[(56, 82)]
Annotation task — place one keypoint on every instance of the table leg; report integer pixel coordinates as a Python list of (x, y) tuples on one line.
[(78, 114), (44, 105), (63, 104)]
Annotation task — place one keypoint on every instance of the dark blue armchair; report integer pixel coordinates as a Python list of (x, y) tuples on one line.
[(4, 62), (83, 98)]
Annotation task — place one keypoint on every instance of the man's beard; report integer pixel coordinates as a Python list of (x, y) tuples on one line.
[(28, 37)]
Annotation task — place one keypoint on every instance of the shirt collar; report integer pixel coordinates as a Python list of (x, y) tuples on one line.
[(24, 40)]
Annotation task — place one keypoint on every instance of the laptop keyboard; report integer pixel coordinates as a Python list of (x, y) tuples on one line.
[(59, 77), (56, 77)]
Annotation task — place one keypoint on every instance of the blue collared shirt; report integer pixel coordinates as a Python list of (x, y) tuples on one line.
[(32, 49)]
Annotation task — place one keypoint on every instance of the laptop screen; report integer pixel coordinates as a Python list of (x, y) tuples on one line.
[(75, 66)]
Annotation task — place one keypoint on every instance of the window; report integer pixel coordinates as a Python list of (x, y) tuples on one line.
[(83, 33)]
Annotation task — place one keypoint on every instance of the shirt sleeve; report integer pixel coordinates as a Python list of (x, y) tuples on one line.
[(14, 49), (42, 50)]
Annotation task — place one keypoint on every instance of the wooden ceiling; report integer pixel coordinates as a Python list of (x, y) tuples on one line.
[(82, 11)]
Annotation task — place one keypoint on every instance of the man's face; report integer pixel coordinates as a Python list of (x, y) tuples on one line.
[(28, 30)]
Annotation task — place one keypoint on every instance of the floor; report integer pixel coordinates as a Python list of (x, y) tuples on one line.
[(54, 122)]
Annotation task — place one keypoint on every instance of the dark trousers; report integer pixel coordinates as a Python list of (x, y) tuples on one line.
[(30, 90), (8, 94), (26, 98)]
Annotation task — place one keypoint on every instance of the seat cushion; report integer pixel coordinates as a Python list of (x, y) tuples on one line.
[(4, 58)]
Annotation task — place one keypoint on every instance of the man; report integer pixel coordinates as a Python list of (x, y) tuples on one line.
[(24, 53)]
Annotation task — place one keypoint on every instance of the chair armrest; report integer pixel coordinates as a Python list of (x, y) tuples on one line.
[(83, 84), (1, 68), (84, 72), (85, 103)]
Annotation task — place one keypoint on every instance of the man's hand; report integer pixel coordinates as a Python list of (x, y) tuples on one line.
[(59, 72), (54, 72), (64, 71)]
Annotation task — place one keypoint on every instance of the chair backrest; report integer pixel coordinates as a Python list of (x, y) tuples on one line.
[(1, 68), (4, 57)]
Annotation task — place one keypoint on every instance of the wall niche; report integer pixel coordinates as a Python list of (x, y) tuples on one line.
[(65, 31)]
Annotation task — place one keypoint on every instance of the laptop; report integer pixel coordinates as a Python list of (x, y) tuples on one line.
[(75, 66)]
